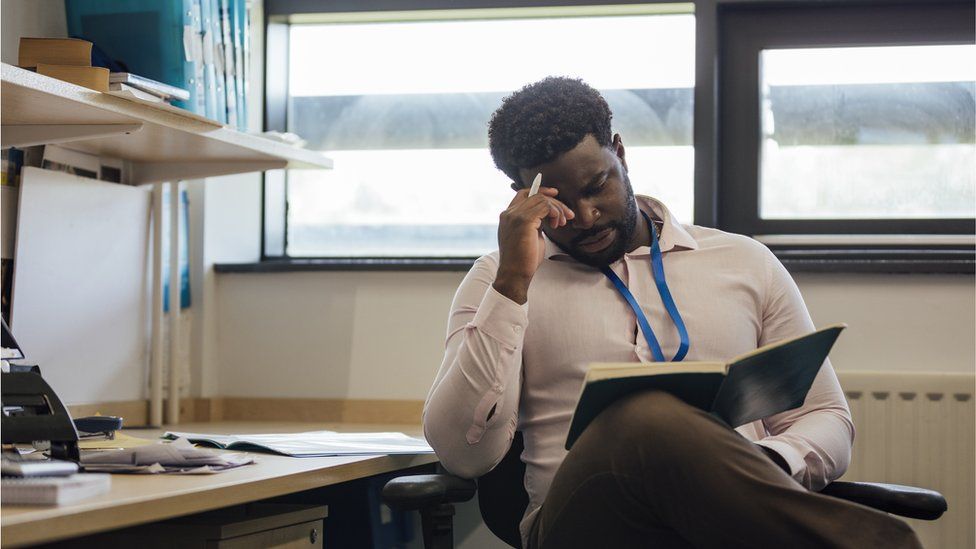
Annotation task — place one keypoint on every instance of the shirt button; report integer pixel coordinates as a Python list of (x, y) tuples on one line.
[(517, 329)]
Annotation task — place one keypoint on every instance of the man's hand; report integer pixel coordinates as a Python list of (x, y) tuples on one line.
[(521, 248)]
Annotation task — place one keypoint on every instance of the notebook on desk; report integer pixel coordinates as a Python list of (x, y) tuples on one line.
[(53, 490), (313, 443)]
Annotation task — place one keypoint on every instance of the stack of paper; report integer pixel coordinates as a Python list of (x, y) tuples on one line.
[(53, 490), (178, 456)]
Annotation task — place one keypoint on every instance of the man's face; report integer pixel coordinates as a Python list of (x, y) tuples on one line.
[(592, 180)]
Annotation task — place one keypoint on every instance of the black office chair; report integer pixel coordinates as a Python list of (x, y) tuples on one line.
[(502, 497)]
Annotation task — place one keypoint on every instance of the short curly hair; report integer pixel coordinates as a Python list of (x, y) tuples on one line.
[(543, 120)]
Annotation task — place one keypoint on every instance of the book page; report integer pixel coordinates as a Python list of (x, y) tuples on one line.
[(611, 370)]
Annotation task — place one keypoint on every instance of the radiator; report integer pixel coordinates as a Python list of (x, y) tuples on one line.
[(918, 429)]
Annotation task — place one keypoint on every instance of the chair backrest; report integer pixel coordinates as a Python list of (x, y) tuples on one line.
[(502, 496)]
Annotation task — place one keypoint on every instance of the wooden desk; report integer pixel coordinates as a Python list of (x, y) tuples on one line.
[(137, 499)]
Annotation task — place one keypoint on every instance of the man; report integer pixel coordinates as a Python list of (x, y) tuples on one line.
[(650, 471)]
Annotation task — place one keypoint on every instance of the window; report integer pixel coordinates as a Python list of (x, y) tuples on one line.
[(868, 133), (839, 133), (847, 120), (403, 113)]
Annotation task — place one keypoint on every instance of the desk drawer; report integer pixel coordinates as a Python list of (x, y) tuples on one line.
[(307, 535), (251, 526)]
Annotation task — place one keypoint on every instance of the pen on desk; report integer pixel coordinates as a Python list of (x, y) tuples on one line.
[(535, 185)]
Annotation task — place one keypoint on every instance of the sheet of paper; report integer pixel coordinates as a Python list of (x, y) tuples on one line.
[(317, 443)]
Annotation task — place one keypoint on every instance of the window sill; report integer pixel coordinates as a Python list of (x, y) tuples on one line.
[(877, 260), (288, 265), (932, 261)]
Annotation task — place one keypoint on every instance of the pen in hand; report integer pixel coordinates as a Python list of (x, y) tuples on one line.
[(536, 183)]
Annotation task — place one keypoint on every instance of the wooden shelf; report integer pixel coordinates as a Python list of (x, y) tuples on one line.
[(161, 143)]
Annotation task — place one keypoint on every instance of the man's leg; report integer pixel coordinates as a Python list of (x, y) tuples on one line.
[(652, 471)]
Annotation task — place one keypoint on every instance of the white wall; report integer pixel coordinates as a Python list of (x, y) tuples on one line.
[(332, 335), (33, 18), (380, 335), (222, 211), (897, 322)]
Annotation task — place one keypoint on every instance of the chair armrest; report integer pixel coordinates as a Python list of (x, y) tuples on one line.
[(906, 501), (418, 491)]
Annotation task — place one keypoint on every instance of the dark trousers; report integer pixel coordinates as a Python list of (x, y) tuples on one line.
[(652, 471)]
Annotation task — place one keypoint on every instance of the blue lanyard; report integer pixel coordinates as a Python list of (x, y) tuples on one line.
[(657, 266)]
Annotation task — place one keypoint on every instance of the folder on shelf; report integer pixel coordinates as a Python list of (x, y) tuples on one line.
[(218, 57), (209, 68), (184, 249), (158, 40), (230, 84), (242, 60)]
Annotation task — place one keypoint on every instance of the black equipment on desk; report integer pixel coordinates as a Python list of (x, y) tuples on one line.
[(32, 410)]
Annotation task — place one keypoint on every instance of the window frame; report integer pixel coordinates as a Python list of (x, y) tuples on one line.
[(722, 196), (727, 168)]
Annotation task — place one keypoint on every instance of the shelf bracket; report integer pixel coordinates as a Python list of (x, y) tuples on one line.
[(26, 135), (156, 172)]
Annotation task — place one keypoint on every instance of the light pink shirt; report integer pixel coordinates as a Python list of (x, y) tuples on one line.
[(528, 361)]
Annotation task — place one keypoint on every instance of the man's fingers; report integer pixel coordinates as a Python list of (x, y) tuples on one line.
[(554, 215), (567, 212), (541, 206), (523, 194)]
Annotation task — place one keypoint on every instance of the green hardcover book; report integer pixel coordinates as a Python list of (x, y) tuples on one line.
[(770, 380)]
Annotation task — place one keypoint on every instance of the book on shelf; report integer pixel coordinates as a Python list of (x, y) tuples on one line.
[(767, 381), (53, 490), (148, 86), (54, 51), (60, 159), (94, 78), (127, 91), (11, 161)]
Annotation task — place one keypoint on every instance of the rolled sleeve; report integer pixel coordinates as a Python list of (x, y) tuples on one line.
[(794, 460), (501, 319), (472, 408)]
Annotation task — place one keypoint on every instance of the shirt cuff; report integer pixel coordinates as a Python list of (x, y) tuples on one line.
[(790, 455), (501, 318)]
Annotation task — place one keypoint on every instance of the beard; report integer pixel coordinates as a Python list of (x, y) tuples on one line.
[(625, 230)]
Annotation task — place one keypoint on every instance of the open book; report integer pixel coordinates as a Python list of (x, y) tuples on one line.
[(772, 379), (313, 443)]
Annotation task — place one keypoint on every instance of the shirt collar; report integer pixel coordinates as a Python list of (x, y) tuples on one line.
[(673, 236)]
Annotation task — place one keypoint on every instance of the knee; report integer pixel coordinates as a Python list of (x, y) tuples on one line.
[(648, 417)]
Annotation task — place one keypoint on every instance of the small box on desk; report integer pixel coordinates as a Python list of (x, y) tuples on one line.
[(251, 526)]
